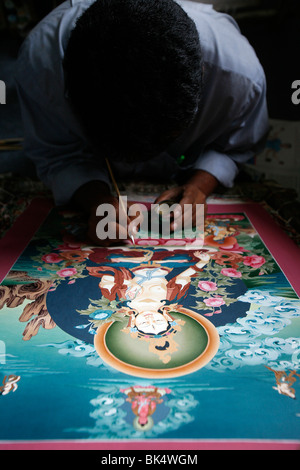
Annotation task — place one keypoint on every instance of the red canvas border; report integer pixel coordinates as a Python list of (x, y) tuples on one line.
[(167, 446), (284, 251), (19, 236)]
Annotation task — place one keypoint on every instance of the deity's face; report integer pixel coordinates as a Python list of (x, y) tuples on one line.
[(152, 323), (146, 294), (148, 300)]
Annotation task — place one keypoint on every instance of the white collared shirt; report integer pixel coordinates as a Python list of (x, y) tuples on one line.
[(230, 127)]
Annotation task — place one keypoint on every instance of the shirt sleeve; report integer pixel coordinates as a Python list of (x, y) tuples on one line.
[(244, 138), (64, 161)]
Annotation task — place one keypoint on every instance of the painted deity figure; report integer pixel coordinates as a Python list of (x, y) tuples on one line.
[(285, 382), (146, 291), (9, 384), (144, 401)]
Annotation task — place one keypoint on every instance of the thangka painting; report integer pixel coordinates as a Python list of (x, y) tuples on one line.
[(139, 345)]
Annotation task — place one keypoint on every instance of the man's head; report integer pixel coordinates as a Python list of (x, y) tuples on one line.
[(133, 75)]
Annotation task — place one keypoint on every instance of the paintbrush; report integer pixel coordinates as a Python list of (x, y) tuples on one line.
[(118, 192), (11, 144)]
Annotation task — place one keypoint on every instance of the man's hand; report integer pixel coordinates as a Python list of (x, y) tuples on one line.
[(89, 197), (194, 192)]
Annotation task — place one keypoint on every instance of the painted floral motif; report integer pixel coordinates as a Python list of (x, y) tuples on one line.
[(254, 261), (65, 261), (67, 272), (214, 302), (227, 239), (231, 272), (51, 258), (208, 286)]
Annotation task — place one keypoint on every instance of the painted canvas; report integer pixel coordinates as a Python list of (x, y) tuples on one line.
[(137, 346)]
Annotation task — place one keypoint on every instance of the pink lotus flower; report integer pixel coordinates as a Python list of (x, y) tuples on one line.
[(231, 272), (254, 261), (68, 272), (214, 302), (207, 286), (216, 312), (51, 258)]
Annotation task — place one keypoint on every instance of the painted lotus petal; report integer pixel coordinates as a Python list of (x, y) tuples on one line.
[(82, 327), (101, 314)]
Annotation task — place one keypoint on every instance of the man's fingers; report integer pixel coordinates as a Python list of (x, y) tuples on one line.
[(116, 226), (189, 210), (169, 195), (183, 215)]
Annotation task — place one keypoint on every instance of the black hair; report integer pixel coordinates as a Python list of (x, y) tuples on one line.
[(133, 73)]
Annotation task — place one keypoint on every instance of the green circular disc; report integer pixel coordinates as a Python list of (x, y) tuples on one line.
[(187, 344)]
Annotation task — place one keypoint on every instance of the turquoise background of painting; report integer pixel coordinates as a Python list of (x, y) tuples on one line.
[(55, 396), (66, 392)]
